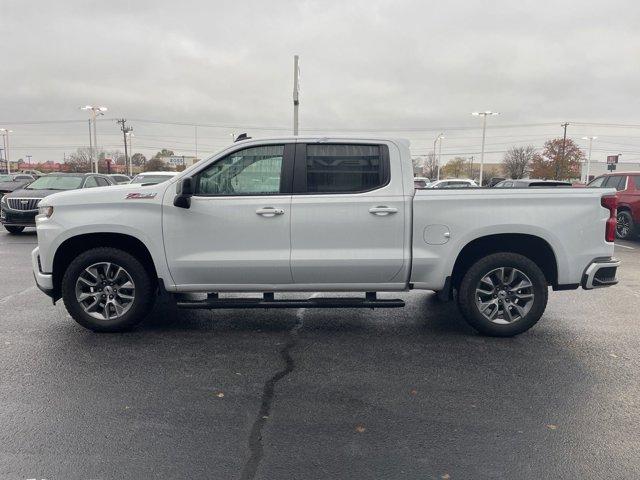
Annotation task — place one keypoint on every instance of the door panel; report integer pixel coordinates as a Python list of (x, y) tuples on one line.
[(222, 240), (335, 239)]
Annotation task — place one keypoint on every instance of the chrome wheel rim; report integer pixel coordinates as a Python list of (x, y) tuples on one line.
[(504, 295), (622, 226), (105, 291)]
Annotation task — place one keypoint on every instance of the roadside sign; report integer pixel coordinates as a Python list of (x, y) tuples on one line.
[(612, 159)]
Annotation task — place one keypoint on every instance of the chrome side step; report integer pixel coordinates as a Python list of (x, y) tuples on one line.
[(213, 302)]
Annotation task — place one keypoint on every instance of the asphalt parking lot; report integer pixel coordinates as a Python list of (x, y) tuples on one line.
[(311, 394)]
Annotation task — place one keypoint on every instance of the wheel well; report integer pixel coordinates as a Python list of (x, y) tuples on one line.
[(74, 246), (530, 246)]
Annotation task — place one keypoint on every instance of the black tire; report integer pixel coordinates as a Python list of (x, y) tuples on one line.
[(141, 305), (625, 227), (472, 278), (14, 230)]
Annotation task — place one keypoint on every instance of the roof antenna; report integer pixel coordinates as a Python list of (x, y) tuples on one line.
[(242, 136)]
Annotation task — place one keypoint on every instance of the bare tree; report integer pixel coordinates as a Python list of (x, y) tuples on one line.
[(79, 161), (517, 161), (430, 166)]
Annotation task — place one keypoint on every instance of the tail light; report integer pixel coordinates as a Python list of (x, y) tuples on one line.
[(610, 202)]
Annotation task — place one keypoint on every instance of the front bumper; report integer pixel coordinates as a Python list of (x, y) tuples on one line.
[(602, 272), (17, 218), (44, 281)]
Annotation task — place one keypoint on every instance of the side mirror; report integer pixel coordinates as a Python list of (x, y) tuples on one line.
[(184, 192)]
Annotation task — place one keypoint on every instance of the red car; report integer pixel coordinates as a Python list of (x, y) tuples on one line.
[(628, 186)]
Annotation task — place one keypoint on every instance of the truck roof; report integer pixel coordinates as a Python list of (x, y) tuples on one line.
[(320, 138)]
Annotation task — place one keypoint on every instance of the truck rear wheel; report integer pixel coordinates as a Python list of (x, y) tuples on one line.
[(107, 290), (503, 294)]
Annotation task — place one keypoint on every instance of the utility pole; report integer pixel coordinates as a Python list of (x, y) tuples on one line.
[(437, 157), (484, 134), (471, 167), (296, 93), (130, 136), (591, 139), (5, 137), (196, 138), (125, 132), (564, 146), (28, 160)]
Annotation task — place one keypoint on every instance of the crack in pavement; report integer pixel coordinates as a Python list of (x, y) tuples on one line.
[(255, 438)]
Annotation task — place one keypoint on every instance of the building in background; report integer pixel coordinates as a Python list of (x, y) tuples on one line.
[(598, 168)]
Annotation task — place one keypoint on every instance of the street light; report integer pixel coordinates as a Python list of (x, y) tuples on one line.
[(129, 135), (437, 158), (95, 111), (484, 131), (591, 139), (5, 141)]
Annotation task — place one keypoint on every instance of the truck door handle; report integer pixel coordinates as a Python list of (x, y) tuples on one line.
[(381, 210), (269, 211)]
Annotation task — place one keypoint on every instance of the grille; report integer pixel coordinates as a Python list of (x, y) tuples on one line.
[(24, 204)]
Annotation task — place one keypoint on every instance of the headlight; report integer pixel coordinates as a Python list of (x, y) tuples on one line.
[(45, 211)]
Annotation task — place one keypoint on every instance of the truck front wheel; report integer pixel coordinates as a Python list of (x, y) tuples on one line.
[(107, 290), (503, 294)]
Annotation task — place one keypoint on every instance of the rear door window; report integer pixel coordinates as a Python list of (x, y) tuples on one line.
[(343, 168), (636, 180)]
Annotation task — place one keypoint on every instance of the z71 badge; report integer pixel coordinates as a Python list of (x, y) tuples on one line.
[(139, 196)]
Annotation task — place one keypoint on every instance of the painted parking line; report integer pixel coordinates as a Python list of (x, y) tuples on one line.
[(624, 246)]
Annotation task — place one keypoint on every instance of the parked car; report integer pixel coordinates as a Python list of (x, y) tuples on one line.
[(348, 219), (421, 182), (119, 178), (453, 183), (493, 181), (627, 185), (152, 178), (531, 183), (33, 173), (9, 183), (19, 208)]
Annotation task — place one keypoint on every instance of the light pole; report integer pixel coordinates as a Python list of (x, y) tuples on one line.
[(129, 135), (437, 158), (296, 93), (5, 137), (484, 133), (94, 112), (591, 139)]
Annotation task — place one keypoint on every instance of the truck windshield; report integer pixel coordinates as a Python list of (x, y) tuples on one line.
[(56, 182)]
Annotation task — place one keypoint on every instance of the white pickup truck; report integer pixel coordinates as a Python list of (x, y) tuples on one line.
[(319, 215)]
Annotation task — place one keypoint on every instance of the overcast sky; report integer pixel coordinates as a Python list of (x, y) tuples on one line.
[(365, 65)]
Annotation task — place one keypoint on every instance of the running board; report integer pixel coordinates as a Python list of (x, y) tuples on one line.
[(216, 303)]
